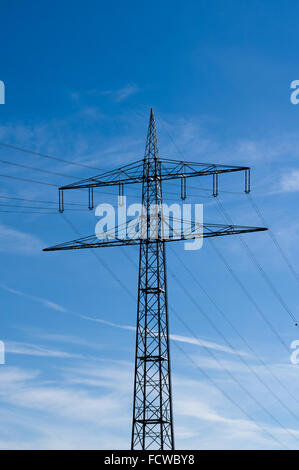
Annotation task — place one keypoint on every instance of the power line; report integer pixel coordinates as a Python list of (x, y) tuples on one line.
[(229, 398), (274, 239), (243, 288), (27, 212), (50, 157), (28, 180), (21, 149), (36, 207), (70, 176), (101, 261), (54, 213), (239, 335), (40, 201), (111, 272), (41, 170), (260, 268), (50, 184), (152, 347), (230, 346), (183, 157), (27, 167), (252, 300), (232, 376), (249, 296)]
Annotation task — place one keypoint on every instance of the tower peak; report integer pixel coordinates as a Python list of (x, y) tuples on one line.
[(151, 148)]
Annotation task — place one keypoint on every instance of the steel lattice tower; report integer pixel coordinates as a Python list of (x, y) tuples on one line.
[(152, 408), (152, 404)]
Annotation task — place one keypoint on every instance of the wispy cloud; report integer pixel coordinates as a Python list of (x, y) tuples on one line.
[(115, 375), (124, 93), (96, 401), (77, 405), (27, 349), (173, 337), (206, 344), (15, 241), (290, 181), (61, 338), (120, 94), (45, 302), (64, 415), (105, 322)]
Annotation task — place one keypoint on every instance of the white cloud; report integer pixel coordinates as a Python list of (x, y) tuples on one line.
[(228, 428), (121, 94), (45, 302), (63, 417), (174, 337), (206, 344), (114, 376), (105, 322), (124, 93), (61, 338), (91, 112), (290, 181), (27, 349), (15, 241), (77, 413)]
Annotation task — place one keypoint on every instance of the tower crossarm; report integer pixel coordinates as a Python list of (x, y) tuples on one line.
[(205, 231), (127, 174), (170, 169)]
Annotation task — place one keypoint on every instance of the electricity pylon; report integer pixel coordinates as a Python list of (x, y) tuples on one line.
[(152, 403)]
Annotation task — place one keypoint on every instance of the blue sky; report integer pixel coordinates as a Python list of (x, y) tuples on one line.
[(79, 85)]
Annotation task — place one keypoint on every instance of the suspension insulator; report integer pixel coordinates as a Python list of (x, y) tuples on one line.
[(60, 199), (183, 188), (215, 184), (90, 198)]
